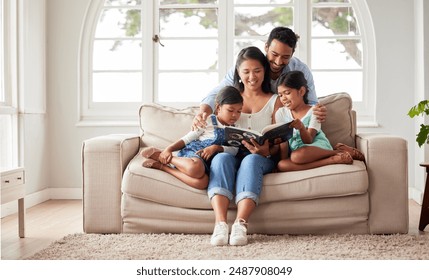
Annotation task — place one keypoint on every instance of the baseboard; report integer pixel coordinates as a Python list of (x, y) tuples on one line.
[(66, 193), (40, 197), (415, 194)]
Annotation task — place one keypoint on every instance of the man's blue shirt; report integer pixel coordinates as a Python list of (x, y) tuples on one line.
[(294, 65)]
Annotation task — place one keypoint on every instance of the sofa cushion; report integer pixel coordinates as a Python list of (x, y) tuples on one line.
[(334, 180), (162, 125), (161, 187), (327, 181), (340, 126)]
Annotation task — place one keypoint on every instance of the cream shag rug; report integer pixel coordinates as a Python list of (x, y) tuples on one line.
[(82, 246)]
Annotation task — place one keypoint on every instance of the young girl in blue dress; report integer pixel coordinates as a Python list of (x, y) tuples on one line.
[(192, 162), (308, 148)]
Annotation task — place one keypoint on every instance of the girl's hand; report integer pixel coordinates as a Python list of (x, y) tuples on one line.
[(165, 157), (297, 124), (255, 148), (208, 152)]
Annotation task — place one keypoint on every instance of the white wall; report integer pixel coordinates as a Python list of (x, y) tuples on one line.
[(421, 90), (65, 20), (32, 93), (33, 120), (394, 26)]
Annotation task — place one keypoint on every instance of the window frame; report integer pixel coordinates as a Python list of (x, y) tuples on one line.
[(124, 113), (9, 107), (96, 113), (366, 109), (156, 46), (366, 114)]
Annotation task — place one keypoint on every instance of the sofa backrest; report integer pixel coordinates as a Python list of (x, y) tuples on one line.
[(162, 125)]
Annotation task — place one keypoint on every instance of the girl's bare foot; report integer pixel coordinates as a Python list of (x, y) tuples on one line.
[(151, 163), (355, 153), (343, 158), (151, 152)]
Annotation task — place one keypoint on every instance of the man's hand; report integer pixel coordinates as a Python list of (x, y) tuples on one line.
[(320, 112), (200, 120)]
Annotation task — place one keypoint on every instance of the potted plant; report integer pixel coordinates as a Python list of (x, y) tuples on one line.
[(422, 137), (421, 109)]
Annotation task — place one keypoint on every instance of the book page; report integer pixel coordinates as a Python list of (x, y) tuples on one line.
[(278, 132), (271, 126)]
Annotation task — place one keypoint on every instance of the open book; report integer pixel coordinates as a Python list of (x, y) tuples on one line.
[(234, 135)]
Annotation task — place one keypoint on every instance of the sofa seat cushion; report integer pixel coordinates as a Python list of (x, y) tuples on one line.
[(328, 181), (161, 187)]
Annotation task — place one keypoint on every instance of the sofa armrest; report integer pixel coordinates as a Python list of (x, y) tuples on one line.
[(387, 164), (104, 160)]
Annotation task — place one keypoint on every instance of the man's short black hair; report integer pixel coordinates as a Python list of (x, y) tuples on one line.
[(284, 35)]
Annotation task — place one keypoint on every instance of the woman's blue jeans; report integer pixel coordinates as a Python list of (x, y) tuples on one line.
[(231, 176)]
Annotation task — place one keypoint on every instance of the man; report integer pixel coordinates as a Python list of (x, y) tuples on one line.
[(279, 49)]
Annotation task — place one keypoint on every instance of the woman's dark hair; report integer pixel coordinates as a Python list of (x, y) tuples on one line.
[(255, 54), (228, 95), (284, 35), (295, 80)]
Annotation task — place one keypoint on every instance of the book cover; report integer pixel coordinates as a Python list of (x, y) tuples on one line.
[(281, 131)]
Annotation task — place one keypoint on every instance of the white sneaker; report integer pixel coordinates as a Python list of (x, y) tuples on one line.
[(220, 234), (238, 233)]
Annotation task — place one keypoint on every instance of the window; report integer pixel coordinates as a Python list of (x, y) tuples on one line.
[(2, 93), (174, 52), (340, 55), (8, 104), (336, 49), (186, 64)]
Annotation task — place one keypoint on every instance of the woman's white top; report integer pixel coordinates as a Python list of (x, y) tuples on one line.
[(257, 121)]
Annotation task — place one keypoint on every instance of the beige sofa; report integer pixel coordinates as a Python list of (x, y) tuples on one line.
[(119, 195)]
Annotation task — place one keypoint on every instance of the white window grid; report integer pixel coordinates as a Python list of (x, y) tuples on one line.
[(124, 113)]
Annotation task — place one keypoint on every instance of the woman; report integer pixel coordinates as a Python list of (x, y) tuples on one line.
[(243, 175)]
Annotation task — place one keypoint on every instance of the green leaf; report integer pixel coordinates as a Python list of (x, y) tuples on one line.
[(422, 107), (422, 136)]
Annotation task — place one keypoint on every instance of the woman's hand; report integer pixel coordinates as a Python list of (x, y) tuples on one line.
[(255, 148)]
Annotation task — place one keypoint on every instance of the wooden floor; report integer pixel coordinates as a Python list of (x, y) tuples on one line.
[(44, 223), (51, 220)]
